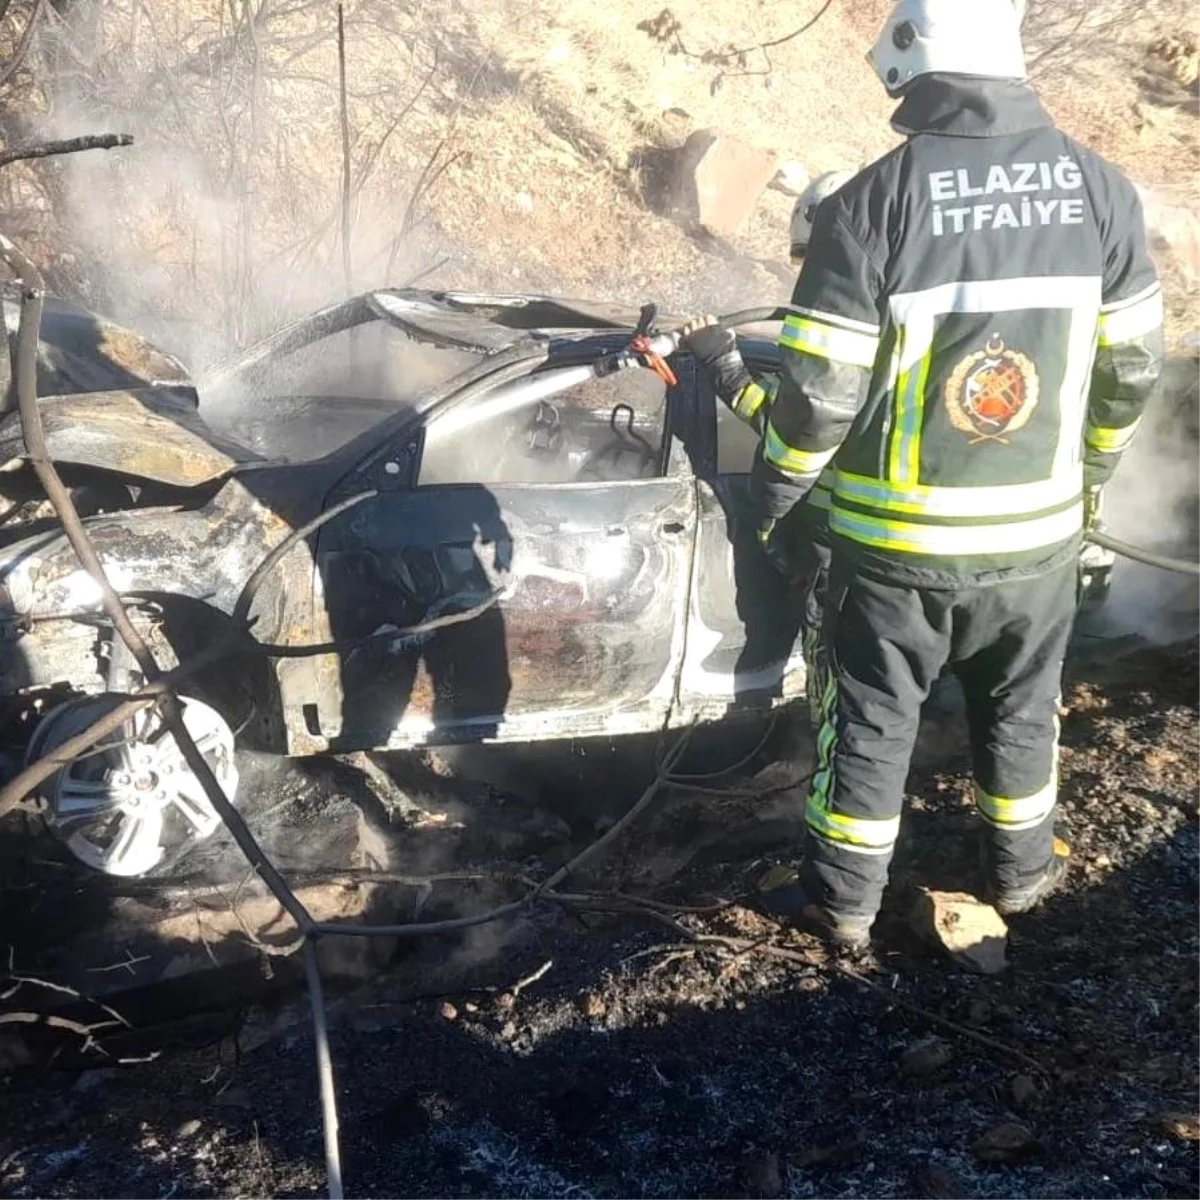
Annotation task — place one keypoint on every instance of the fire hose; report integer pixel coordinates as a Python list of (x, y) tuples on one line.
[(662, 344)]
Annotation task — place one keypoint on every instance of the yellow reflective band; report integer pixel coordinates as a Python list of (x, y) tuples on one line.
[(1131, 319), (827, 341), (838, 322), (910, 413), (826, 742), (854, 833), (1013, 815), (1110, 441), (966, 541), (749, 400), (793, 462), (1015, 500)]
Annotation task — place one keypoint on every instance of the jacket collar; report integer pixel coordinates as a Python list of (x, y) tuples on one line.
[(963, 106)]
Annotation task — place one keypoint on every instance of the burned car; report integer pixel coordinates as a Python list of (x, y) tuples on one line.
[(465, 521)]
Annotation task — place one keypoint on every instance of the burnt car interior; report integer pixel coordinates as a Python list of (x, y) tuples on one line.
[(601, 431)]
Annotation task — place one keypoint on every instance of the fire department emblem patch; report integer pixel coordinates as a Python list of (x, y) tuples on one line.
[(992, 393)]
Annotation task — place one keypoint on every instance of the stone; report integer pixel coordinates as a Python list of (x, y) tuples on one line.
[(1005, 1144), (926, 1057), (1024, 1090), (593, 1006), (719, 180), (1177, 56), (1181, 1125), (935, 1182), (447, 1011), (971, 932), (187, 1129)]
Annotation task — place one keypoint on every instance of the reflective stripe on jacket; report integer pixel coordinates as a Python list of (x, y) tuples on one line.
[(753, 404), (974, 334)]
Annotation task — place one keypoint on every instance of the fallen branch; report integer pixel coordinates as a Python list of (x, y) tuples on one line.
[(61, 988), (97, 141), (77, 535), (429, 929), (53, 1021), (521, 984), (86, 1032), (325, 1084), (741, 947)]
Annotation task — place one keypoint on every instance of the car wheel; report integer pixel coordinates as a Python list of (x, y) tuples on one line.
[(133, 799)]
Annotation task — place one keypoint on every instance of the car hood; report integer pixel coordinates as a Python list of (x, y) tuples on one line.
[(79, 351), (153, 434)]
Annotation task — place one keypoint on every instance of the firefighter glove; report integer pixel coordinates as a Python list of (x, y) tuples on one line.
[(715, 348)]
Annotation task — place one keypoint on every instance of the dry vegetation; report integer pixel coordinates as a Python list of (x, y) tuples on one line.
[(517, 142)]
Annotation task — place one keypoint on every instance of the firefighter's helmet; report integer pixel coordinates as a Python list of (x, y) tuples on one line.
[(805, 208), (957, 37)]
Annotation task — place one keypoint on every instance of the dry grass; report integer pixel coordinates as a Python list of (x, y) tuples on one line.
[(550, 116)]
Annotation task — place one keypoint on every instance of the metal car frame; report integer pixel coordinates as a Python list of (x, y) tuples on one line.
[(694, 625)]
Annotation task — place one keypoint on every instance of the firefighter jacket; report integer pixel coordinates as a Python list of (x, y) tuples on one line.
[(752, 402), (975, 332)]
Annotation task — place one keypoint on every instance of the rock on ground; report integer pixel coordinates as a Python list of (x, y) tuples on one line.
[(719, 180), (972, 933)]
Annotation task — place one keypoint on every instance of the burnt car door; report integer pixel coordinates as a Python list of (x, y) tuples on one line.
[(553, 513), (743, 647)]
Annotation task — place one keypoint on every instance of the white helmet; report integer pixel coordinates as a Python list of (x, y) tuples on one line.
[(805, 208), (959, 37)]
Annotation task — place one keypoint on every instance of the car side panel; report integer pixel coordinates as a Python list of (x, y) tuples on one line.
[(586, 636)]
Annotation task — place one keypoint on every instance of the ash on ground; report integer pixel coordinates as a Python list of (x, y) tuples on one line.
[(637, 1064)]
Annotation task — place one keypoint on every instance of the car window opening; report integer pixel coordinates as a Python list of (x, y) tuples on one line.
[(606, 430)]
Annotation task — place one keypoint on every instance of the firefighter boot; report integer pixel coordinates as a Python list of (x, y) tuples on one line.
[(1030, 892), (783, 895)]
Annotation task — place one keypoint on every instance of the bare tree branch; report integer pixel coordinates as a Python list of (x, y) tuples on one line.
[(344, 120), (97, 141), (21, 52)]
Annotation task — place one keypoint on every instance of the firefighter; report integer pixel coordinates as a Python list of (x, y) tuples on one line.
[(803, 556), (975, 333)]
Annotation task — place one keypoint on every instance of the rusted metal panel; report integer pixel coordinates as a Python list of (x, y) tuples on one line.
[(152, 434)]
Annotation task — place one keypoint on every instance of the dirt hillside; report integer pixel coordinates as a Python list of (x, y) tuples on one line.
[(503, 145)]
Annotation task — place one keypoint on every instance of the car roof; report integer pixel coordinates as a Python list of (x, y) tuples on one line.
[(470, 321)]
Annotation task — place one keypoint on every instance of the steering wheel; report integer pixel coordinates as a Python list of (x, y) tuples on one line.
[(624, 441)]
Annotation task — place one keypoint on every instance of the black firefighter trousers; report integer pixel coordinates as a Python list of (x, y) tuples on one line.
[(887, 645)]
